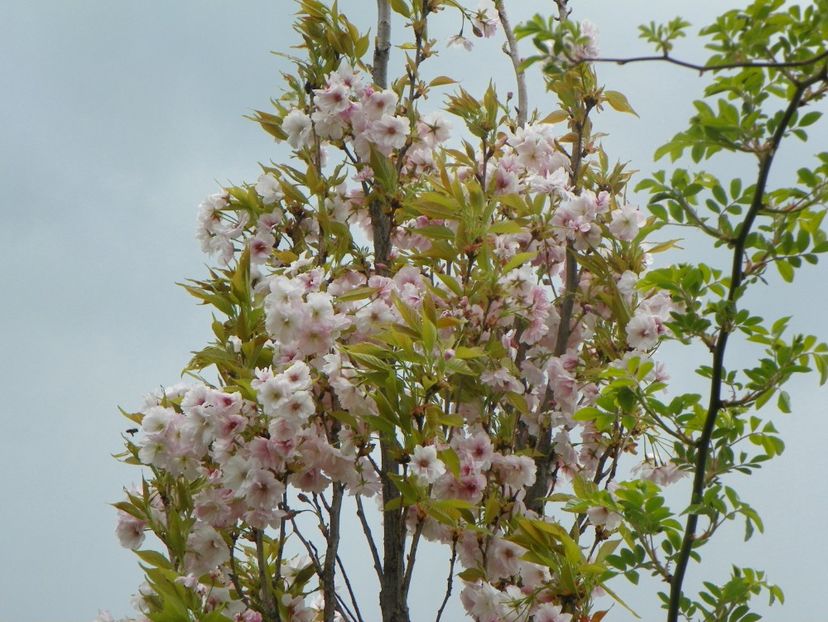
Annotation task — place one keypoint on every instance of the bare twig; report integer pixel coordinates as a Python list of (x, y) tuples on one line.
[(358, 614), (666, 58), (329, 568), (366, 529), (449, 580), (412, 556), (234, 574)]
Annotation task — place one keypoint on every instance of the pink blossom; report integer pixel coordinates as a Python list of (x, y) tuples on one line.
[(485, 19), (434, 128), (425, 464), (269, 188), (261, 489), (642, 331), (456, 41), (388, 133), (547, 612), (333, 99), (602, 517), (626, 222), (130, 530), (206, 550), (503, 558), (297, 126)]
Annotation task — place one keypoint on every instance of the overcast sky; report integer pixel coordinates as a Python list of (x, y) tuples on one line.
[(118, 118)]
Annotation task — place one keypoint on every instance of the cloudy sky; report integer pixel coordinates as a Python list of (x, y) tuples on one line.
[(118, 118)]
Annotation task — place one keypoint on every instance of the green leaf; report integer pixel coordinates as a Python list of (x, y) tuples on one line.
[(154, 558), (619, 102), (357, 294), (442, 80), (518, 260)]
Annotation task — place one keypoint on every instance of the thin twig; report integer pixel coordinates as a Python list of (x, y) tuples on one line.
[(329, 569), (234, 574), (666, 58), (412, 556), (449, 580), (366, 529), (358, 615)]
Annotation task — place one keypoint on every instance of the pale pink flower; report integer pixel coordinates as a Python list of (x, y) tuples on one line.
[(547, 612), (483, 601), (261, 489), (297, 376), (130, 530), (485, 19), (157, 421), (332, 100), (261, 246), (379, 103), (515, 471), (503, 558), (310, 480), (501, 380), (298, 405), (601, 516), (588, 49), (206, 550), (271, 394), (642, 331), (459, 41), (626, 222), (297, 126), (388, 133), (425, 464), (269, 188), (373, 315), (434, 128)]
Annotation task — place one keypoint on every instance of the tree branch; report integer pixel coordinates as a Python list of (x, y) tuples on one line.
[(449, 580), (358, 613), (715, 403), (366, 529), (380, 220), (666, 58), (329, 568)]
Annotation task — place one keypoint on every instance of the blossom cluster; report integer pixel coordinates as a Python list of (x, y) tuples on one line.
[(303, 386)]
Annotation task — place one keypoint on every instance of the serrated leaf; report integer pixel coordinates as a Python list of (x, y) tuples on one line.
[(357, 294), (619, 102), (442, 80), (518, 260)]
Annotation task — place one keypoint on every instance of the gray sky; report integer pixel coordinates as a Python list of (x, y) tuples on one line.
[(119, 117)]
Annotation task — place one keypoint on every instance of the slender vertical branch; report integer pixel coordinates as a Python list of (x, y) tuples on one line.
[(380, 220), (449, 580), (703, 446), (412, 557), (511, 49), (369, 537), (393, 605), (329, 567), (351, 594), (543, 447), (382, 45)]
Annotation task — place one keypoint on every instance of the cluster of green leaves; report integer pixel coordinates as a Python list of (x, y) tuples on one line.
[(768, 67)]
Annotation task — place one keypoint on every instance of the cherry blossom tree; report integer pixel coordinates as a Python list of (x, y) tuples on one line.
[(443, 311)]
